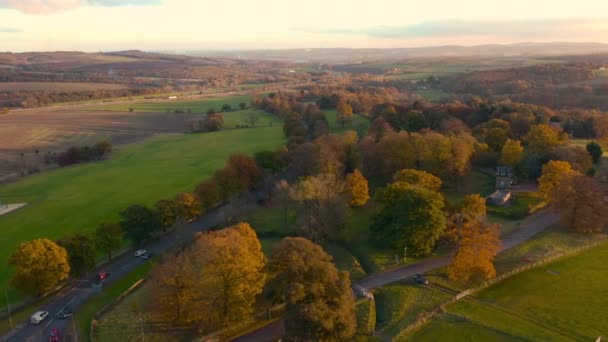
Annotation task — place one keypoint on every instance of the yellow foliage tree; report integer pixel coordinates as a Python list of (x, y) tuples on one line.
[(39, 265), (554, 172), (357, 189), (344, 113), (542, 139), (512, 153), (175, 290), (419, 178), (478, 244), (187, 205), (230, 274)]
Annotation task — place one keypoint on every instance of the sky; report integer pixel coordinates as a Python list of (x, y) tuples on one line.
[(178, 25)]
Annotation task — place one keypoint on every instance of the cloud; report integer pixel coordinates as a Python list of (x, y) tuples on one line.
[(49, 6), (459, 28), (9, 30)]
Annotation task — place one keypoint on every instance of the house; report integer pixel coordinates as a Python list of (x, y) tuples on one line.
[(504, 180)]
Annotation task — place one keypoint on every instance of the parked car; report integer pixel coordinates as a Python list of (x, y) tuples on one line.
[(39, 317), (65, 313), (140, 252), (420, 279), (103, 275), (147, 255), (54, 336)]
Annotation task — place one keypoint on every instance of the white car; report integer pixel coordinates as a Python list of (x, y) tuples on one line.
[(140, 252), (38, 317)]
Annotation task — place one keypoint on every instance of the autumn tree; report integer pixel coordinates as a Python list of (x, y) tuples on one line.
[(596, 152), (411, 216), (419, 178), (320, 302), (187, 206), (478, 243), (542, 139), (322, 214), (167, 213), (357, 189), (240, 174), (139, 223), (39, 265), (82, 252), (344, 113), (213, 122), (230, 275), (580, 202), (208, 194), (175, 290), (554, 172), (512, 153), (108, 238), (576, 155)]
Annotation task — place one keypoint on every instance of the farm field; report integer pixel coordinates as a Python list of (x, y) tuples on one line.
[(200, 105), (78, 198), (359, 123), (563, 300), (59, 86)]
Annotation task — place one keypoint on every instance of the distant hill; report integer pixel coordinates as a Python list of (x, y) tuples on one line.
[(356, 55)]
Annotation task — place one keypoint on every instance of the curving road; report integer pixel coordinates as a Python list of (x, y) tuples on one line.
[(528, 229), (79, 291)]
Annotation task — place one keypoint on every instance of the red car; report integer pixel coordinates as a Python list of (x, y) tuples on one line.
[(103, 275), (55, 336)]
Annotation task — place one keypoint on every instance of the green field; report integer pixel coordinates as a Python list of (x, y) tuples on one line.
[(78, 198), (359, 123)]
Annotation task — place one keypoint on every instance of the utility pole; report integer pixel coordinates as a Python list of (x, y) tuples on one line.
[(404, 254), (74, 328), (8, 307)]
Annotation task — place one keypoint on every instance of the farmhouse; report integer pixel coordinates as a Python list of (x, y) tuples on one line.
[(504, 180)]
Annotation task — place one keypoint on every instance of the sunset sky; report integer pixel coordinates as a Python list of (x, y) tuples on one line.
[(104, 25)]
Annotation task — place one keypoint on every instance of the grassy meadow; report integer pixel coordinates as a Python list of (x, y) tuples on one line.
[(78, 198), (200, 105)]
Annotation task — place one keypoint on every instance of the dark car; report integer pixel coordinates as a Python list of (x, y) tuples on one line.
[(103, 275), (55, 336), (420, 279), (147, 255), (65, 313)]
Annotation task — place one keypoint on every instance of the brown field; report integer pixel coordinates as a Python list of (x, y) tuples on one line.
[(40, 131), (58, 86)]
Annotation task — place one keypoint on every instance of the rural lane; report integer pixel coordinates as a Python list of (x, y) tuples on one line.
[(78, 291), (530, 227)]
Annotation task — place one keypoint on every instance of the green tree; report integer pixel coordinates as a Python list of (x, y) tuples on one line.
[(411, 216), (108, 238), (81, 250), (39, 266), (139, 223), (595, 150), (320, 302)]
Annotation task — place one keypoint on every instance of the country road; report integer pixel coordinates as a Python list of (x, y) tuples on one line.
[(530, 227), (78, 291)]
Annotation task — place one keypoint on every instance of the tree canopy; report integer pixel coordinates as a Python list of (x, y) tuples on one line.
[(320, 302), (39, 266)]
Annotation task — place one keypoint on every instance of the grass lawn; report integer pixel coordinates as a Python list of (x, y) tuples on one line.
[(78, 198), (448, 327), (87, 311), (359, 123), (476, 182), (196, 105), (398, 305), (570, 293), (433, 94)]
